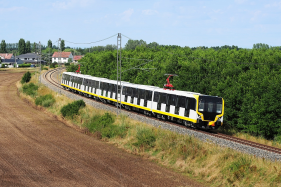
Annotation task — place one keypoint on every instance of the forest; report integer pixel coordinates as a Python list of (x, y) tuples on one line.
[(247, 79)]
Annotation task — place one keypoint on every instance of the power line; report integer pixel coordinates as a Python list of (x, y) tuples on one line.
[(223, 61), (92, 42), (127, 37), (135, 58)]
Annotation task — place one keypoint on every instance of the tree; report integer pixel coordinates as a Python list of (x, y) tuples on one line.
[(50, 45), (132, 44), (3, 47), (62, 45), (28, 47), (153, 45), (34, 49), (22, 48)]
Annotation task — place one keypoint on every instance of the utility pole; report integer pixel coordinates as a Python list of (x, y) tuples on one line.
[(59, 54), (119, 71), (40, 61)]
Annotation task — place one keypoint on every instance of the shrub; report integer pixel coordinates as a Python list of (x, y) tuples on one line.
[(72, 109), (145, 137), (2, 65), (45, 100), (72, 68), (67, 64), (45, 68), (53, 65), (30, 89), (104, 124), (26, 77), (24, 65)]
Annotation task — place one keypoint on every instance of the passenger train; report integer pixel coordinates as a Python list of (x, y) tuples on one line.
[(189, 108)]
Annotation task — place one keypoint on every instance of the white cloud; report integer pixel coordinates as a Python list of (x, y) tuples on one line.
[(126, 15), (149, 12), (71, 4)]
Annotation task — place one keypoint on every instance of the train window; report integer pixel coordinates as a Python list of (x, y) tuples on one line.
[(182, 101), (219, 108), (210, 107), (171, 99), (124, 91), (110, 86), (156, 97), (114, 88), (129, 91), (135, 92), (163, 98), (105, 86), (201, 106), (141, 93), (149, 95), (101, 85), (97, 86)]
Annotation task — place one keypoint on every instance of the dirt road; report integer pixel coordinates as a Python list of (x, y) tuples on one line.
[(38, 150)]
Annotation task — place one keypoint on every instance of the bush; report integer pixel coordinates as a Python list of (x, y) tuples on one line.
[(53, 65), (24, 65), (30, 89), (45, 68), (26, 77), (104, 124), (45, 100), (145, 137), (67, 64), (72, 109), (2, 65), (72, 68)]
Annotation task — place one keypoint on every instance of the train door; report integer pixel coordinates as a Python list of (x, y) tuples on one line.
[(124, 94), (148, 98), (135, 95), (156, 97), (162, 103), (171, 103)]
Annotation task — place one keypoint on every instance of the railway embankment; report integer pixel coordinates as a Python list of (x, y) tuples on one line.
[(189, 152)]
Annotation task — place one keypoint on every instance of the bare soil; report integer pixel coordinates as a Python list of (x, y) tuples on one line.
[(38, 150)]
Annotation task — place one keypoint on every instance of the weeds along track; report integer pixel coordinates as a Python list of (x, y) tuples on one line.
[(249, 147)]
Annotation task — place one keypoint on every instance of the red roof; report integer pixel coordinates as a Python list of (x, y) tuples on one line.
[(6, 55), (61, 54), (78, 57)]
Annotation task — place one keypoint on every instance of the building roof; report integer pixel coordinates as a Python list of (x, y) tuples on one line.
[(77, 57), (6, 55), (28, 55), (61, 54)]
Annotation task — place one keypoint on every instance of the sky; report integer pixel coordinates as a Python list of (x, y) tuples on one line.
[(190, 23)]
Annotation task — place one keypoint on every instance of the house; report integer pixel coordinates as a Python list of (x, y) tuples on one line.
[(6, 56), (30, 58), (62, 57), (77, 57), (10, 62)]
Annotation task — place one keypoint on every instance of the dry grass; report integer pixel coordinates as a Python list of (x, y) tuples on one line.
[(214, 165)]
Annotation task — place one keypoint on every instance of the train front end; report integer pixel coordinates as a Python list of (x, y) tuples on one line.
[(210, 112)]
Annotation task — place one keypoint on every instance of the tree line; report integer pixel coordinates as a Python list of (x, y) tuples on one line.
[(247, 79)]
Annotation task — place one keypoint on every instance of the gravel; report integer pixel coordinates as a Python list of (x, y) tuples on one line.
[(204, 137)]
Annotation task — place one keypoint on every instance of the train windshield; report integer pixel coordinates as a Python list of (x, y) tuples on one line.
[(210, 104)]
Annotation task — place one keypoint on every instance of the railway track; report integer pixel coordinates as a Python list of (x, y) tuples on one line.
[(49, 77)]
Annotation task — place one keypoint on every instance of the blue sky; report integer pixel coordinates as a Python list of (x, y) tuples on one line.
[(185, 23)]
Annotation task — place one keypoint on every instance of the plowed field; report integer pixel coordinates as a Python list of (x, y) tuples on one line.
[(38, 150)]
